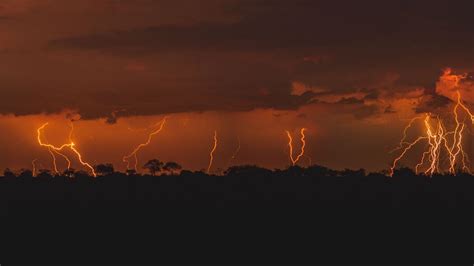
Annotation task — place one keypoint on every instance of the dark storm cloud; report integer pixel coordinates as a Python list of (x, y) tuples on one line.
[(226, 89), (366, 111), (250, 62), (296, 24), (389, 110), (350, 100), (359, 108), (373, 95), (431, 103)]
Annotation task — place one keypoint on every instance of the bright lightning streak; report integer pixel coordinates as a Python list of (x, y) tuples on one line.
[(53, 152), (55, 167), (126, 159), (79, 156), (459, 103), (65, 158), (290, 145), (438, 140), (403, 153), (303, 144), (71, 145), (211, 154), (434, 140), (405, 130), (39, 130)]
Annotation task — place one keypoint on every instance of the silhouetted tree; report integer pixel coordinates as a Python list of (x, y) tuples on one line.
[(295, 170), (8, 173), (246, 170), (104, 169), (349, 172), (25, 173), (172, 167), (186, 173), (44, 174), (153, 166), (81, 174), (319, 170), (403, 171), (69, 172)]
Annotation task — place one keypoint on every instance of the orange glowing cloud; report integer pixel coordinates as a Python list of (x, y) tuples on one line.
[(449, 83)]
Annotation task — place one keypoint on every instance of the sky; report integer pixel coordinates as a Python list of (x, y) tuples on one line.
[(353, 73)]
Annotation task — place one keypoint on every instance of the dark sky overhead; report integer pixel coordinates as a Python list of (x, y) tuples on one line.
[(351, 72)]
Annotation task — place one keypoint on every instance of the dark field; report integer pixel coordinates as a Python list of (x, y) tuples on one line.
[(250, 214)]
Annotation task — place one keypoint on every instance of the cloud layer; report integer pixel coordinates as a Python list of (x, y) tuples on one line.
[(121, 58)]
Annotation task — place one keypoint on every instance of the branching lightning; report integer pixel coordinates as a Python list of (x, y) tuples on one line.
[(405, 131), (126, 158), (294, 160), (211, 153), (58, 150), (439, 141)]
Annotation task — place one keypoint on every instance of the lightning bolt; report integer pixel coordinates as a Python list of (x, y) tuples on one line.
[(436, 138), (52, 153), (33, 164), (439, 142), (211, 154), (405, 131), (456, 148), (65, 158), (79, 156), (126, 158), (459, 103), (71, 145), (290, 145), (55, 167)]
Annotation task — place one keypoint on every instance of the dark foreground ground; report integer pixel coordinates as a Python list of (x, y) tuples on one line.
[(311, 215)]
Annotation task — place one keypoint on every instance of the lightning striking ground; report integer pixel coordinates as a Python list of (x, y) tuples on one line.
[(440, 141), (71, 145), (211, 153), (294, 160), (126, 158)]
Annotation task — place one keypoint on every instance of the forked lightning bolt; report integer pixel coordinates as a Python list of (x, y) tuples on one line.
[(126, 158), (54, 149), (294, 160), (440, 141)]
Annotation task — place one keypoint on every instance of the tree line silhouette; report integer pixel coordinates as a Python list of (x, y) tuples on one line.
[(245, 185), (283, 214)]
